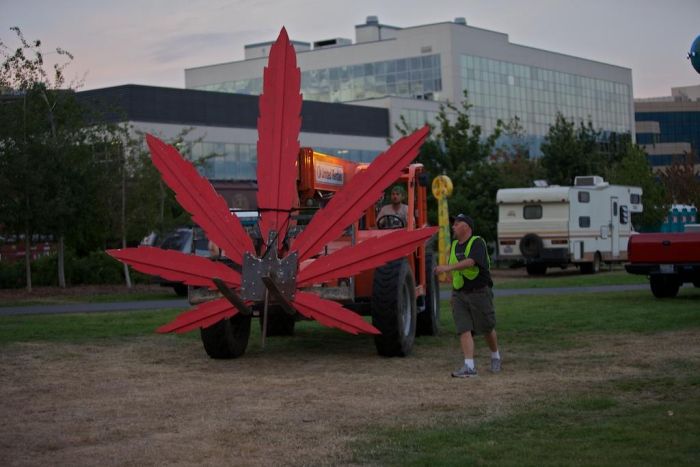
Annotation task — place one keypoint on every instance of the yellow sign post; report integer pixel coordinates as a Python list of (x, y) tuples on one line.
[(442, 189)]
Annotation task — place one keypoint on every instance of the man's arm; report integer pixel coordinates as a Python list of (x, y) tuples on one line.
[(465, 263)]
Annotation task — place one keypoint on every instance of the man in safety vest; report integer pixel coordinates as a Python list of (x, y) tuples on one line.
[(472, 298)]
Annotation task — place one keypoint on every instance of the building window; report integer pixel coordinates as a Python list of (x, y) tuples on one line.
[(413, 77), (535, 95), (533, 211)]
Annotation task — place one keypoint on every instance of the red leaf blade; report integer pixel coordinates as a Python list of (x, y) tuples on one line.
[(331, 314), (278, 138), (176, 266), (365, 255), (201, 316), (362, 191), (196, 195)]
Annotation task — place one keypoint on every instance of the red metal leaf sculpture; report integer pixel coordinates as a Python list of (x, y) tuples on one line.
[(196, 195), (279, 124), (369, 254), (201, 316), (278, 130), (174, 266)]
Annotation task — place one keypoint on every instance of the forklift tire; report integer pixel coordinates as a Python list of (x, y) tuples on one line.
[(394, 308), (536, 269), (664, 285), (428, 323), (228, 338)]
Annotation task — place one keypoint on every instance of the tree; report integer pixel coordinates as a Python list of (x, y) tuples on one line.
[(25, 130), (569, 151), (682, 182), (633, 170), (515, 167), (48, 159), (460, 150)]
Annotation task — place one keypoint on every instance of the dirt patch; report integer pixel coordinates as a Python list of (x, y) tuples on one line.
[(160, 400)]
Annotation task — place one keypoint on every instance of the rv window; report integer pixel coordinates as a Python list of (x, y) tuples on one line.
[(614, 208), (584, 221), (584, 197), (635, 198), (624, 215), (533, 211)]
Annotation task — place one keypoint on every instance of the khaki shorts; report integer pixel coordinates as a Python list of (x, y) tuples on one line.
[(473, 311)]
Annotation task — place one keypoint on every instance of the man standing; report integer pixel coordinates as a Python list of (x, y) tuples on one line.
[(396, 208), (472, 298)]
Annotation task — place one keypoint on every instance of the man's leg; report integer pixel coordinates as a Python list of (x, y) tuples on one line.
[(467, 342), (491, 340)]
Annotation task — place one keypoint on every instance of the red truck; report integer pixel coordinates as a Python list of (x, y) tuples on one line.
[(668, 259)]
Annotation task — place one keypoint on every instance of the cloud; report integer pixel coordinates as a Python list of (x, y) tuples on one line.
[(179, 46)]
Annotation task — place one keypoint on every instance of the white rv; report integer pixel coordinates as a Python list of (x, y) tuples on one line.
[(586, 224)]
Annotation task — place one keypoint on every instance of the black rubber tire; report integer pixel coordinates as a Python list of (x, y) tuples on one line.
[(593, 267), (228, 338), (394, 308), (531, 246), (536, 269), (180, 290), (428, 321), (279, 323), (664, 285)]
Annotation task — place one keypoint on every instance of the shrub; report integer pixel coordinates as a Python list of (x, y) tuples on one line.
[(96, 268)]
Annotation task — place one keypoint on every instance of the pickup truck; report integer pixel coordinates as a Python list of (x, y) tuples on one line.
[(668, 259)]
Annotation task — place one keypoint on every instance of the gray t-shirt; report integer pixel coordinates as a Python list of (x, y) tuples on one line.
[(389, 210)]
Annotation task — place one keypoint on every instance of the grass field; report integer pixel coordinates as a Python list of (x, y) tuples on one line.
[(570, 279), (503, 279), (588, 379), (653, 419)]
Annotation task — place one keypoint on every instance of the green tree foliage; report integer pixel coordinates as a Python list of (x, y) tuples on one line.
[(682, 182), (569, 150), (633, 170), (460, 150), (515, 167), (51, 176)]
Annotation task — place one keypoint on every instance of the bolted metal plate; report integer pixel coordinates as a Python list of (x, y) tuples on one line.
[(282, 271)]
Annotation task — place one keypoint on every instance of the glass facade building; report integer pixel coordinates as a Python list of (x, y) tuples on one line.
[(502, 90), (414, 77), (674, 127), (668, 127), (437, 63)]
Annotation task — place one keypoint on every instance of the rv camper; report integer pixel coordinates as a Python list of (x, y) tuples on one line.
[(586, 224)]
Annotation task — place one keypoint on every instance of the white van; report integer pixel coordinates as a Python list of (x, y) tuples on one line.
[(586, 224)]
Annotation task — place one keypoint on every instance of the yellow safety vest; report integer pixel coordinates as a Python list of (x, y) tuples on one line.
[(471, 272)]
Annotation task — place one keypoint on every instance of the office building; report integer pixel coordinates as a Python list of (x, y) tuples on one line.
[(412, 70), (668, 127), (224, 126)]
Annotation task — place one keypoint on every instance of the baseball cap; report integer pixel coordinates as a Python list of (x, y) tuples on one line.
[(463, 218)]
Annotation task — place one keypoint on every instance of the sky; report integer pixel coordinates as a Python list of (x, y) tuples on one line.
[(151, 42)]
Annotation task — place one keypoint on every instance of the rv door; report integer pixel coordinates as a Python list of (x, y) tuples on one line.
[(614, 227)]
